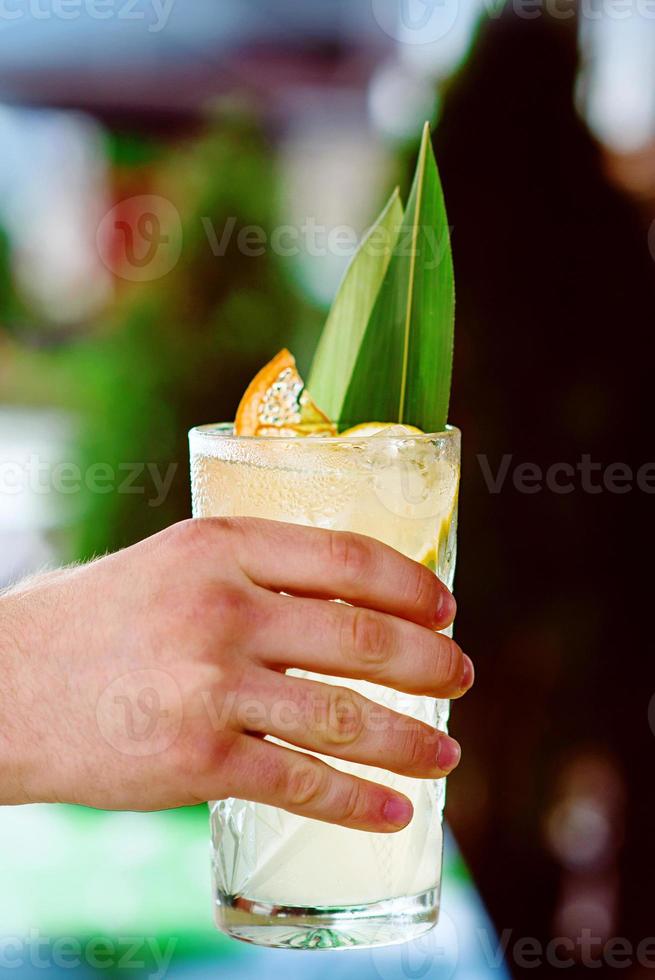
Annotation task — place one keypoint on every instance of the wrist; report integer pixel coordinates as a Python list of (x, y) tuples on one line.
[(21, 745)]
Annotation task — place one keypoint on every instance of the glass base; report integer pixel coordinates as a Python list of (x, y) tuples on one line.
[(395, 920)]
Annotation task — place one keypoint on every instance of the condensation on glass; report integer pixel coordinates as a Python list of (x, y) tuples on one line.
[(285, 880)]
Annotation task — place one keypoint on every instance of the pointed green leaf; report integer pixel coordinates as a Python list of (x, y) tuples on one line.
[(340, 341), (404, 365)]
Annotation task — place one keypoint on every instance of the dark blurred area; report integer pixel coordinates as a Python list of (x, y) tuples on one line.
[(554, 356), (149, 165)]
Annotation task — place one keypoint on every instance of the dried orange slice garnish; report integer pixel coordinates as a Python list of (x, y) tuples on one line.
[(276, 403)]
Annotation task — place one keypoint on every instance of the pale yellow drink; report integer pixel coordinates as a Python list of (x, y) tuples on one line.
[(285, 880)]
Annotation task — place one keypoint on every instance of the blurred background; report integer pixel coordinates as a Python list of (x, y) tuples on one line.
[(174, 176)]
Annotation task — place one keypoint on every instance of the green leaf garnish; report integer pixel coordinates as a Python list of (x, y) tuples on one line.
[(340, 342), (403, 364)]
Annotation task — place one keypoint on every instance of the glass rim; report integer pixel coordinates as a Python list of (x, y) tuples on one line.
[(217, 431)]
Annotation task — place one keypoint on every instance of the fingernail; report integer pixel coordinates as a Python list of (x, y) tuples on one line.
[(397, 811), (468, 674), (448, 754), (446, 609)]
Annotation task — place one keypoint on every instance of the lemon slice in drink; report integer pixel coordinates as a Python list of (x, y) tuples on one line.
[(439, 557), (276, 403), (374, 428), (429, 558)]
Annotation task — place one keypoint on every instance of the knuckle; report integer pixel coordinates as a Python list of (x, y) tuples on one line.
[(350, 554), (197, 605), (449, 661), (423, 588), (229, 527), (202, 754), (353, 804), (369, 637), (203, 531), (344, 716), (224, 533), (305, 785), (184, 532), (414, 750), (233, 607), (223, 525)]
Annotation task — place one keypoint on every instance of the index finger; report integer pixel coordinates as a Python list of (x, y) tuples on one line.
[(325, 564)]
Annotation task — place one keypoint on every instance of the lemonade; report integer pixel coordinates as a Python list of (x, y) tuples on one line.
[(286, 880), (385, 353)]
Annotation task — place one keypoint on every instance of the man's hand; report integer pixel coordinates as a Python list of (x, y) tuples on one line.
[(149, 678)]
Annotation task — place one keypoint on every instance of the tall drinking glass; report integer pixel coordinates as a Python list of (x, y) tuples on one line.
[(285, 880)]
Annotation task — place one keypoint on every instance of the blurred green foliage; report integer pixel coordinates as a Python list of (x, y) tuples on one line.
[(180, 350)]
